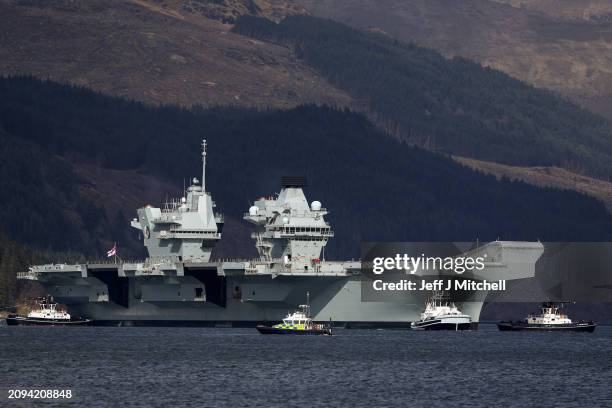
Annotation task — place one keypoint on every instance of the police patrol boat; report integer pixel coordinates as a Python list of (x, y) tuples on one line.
[(550, 319), (179, 284), (298, 322), (440, 314), (47, 314)]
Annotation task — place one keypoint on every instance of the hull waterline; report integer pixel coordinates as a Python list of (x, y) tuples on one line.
[(309, 332), (438, 325), (578, 327), (26, 321)]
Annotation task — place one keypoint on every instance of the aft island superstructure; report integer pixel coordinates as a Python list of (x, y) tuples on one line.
[(178, 284)]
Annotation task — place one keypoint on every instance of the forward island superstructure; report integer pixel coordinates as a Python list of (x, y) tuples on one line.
[(185, 229), (178, 284)]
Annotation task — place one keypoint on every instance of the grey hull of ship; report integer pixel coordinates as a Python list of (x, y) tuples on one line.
[(227, 294), (170, 301)]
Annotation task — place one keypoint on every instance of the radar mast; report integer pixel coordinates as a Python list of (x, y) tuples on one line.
[(204, 165)]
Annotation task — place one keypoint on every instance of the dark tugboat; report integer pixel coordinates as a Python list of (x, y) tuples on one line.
[(549, 320), (46, 315), (298, 322)]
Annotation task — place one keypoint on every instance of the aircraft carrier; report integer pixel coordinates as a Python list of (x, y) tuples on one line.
[(179, 285)]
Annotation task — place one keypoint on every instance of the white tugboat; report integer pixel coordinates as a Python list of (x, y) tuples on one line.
[(298, 322), (47, 314), (550, 319), (440, 314)]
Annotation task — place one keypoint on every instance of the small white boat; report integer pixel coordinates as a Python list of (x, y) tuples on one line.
[(47, 314), (439, 314)]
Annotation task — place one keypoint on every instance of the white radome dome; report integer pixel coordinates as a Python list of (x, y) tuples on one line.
[(253, 210), (315, 206), (285, 220)]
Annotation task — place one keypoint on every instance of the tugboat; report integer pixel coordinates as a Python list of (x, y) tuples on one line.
[(439, 314), (46, 315), (298, 322), (549, 320)]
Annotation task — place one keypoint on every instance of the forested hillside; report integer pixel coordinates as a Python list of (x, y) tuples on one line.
[(41, 200), (452, 105), (13, 258), (16, 257), (376, 187)]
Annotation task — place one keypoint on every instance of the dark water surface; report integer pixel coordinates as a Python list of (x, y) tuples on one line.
[(129, 367)]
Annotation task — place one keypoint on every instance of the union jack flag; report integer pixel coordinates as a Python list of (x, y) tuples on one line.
[(112, 251)]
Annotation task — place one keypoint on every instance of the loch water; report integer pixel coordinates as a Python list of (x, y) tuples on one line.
[(205, 367)]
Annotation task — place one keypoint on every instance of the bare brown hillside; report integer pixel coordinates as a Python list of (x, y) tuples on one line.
[(543, 43), (546, 177), (158, 51), (590, 10)]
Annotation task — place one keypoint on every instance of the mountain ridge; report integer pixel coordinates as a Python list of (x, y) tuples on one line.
[(543, 43)]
